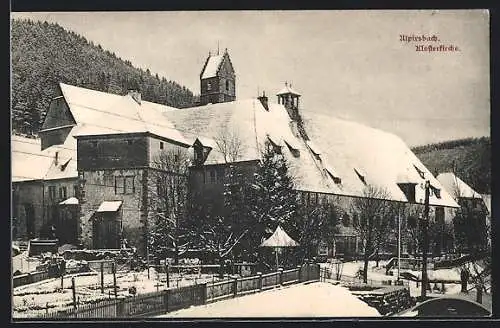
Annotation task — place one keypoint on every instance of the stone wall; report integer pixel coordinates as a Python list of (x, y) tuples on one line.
[(387, 300)]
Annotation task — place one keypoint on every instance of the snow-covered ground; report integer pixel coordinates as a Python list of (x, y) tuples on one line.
[(318, 299), (377, 274), (24, 264), (33, 299)]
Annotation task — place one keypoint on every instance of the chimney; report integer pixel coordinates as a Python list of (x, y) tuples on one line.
[(264, 100), (136, 95)]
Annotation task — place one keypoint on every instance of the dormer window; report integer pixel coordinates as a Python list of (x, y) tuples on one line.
[(420, 172), (293, 147), (275, 144), (314, 149), (65, 164), (435, 191), (334, 176), (361, 175)]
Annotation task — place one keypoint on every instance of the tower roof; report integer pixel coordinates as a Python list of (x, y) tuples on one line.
[(288, 90), (212, 66)]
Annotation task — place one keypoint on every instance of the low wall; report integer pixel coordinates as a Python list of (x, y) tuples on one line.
[(387, 300)]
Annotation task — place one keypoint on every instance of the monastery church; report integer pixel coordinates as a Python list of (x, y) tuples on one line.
[(89, 172)]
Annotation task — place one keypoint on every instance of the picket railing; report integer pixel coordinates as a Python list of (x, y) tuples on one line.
[(182, 297)]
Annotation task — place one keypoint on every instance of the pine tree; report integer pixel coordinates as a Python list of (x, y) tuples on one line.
[(272, 198)]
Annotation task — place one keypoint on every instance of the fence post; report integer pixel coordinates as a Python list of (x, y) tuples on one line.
[(260, 280), (114, 280), (166, 299), (102, 277), (299, 268), (168, 275), (204, 293), (73, 287), (235, 286), (280, 274)]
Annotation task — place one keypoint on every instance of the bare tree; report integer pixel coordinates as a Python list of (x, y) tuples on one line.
[(230, 144), (167, 190), (372, 209)]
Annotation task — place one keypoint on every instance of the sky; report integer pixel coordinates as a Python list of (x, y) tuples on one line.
[(348, 64)]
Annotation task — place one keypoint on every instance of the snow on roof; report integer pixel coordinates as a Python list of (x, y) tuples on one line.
[(207, 142), (236, 118), (287, 89), (456, 187), (28, 161), (314, 148), (382, 158), (70, 201), (279, 239), (106, 113), (276, 140), (212, 66), (109, 206)]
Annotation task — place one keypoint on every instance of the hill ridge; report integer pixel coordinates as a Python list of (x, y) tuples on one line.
[(44, 54)]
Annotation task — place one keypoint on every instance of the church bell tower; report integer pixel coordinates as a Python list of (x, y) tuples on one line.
[(217, 79)]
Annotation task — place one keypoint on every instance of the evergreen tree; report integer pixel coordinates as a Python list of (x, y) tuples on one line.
[(272, 198)]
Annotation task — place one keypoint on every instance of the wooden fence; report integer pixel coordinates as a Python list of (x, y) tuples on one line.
[(182, 297), (29, 278)]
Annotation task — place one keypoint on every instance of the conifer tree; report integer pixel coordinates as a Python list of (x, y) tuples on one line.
[(272, 198)]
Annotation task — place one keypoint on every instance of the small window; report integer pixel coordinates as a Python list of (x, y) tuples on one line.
[(213, 176), (129, 185), (129, 142), (52, 192), (346, 220), (227, 85), (75, 191), (93, 144), (161, 144), (209, 86), (62, 193), (124, 185)]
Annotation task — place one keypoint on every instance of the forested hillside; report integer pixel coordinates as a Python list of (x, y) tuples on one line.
[(469, 158), (44, 54)]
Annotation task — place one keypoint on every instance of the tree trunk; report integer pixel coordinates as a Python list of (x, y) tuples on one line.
[(367, 250), (221, 268)]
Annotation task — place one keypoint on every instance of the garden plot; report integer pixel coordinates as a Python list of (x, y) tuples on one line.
[(38, 298)]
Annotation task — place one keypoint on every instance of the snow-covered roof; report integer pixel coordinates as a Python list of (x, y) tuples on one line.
[(456, 186), (287, 89), (70, 201), (381, 158), (346, 147), (99, 112), (29, 162), (109, 206), (207, 142), (212, 66), (279, 239)]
